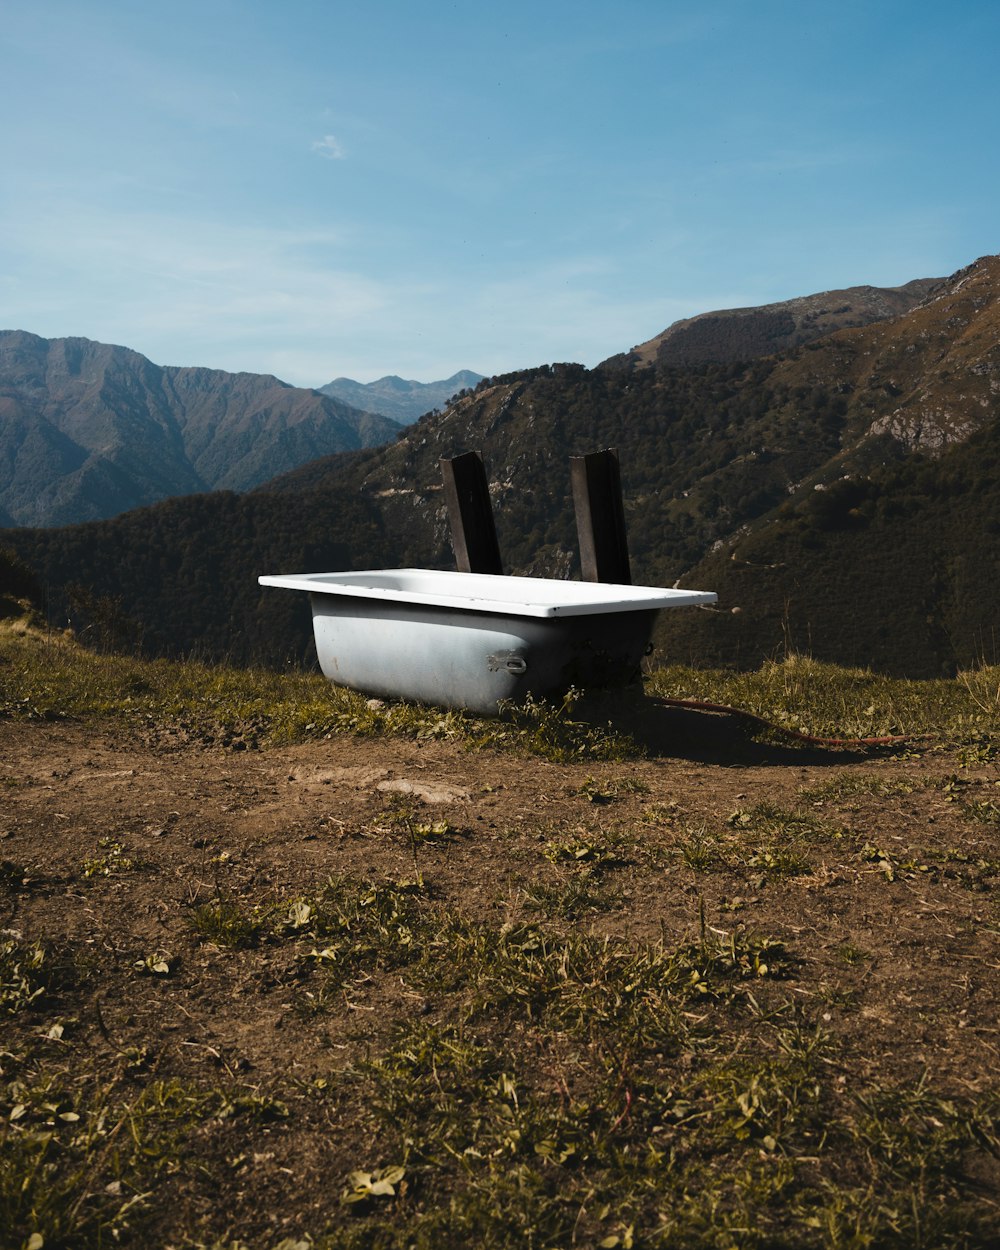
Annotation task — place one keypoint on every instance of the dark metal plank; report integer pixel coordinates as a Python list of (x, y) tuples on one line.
[(473, 532), (600, 517)]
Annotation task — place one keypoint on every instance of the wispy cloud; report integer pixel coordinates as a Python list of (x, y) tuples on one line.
[(185, 291), (302, 303), (330, 147)]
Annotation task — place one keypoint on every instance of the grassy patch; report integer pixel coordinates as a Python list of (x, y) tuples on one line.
[(701, 849), (823, 699), (766, 841), (983, 811), (594, 855), (110, 860), (50, 678), (230, 922), (591, 1094), (581, 895), (243, 709), (560, 1088), (846, 786), (549, 729), (25, 973), (83, 1160)]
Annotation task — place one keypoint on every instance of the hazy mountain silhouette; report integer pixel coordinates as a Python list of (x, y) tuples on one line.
[(397, 398)]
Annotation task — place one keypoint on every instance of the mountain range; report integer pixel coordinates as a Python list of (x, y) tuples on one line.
[(89, 430), (843, 497)]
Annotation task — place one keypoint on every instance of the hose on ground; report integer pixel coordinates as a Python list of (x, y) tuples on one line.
[(702, 705)]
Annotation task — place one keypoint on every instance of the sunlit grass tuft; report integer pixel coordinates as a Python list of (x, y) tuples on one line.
[(243, 709), (49, 678), (825, 700)]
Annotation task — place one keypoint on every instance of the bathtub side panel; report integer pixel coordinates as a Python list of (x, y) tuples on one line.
[(471, 660), (422, 655)]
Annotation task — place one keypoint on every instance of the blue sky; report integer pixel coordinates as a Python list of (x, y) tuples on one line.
[(380, 186)]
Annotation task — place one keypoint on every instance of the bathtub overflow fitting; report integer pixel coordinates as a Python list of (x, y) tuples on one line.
[(507, 661)]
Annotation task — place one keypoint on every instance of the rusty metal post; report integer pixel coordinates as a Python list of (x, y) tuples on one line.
[(600, 517), (473, 532)]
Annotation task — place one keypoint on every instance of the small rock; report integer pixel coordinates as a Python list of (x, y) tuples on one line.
[(429, 792)]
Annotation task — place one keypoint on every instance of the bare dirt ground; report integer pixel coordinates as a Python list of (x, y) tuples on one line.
[(111, 842)]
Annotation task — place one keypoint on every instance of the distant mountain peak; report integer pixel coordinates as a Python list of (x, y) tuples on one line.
[(400, 399)]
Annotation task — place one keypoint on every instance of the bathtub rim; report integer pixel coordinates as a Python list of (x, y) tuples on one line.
[(541, 597)]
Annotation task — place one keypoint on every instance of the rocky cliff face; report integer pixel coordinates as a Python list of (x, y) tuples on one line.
[(88, 430)]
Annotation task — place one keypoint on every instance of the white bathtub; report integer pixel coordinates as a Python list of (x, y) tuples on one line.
[(470, 640)]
